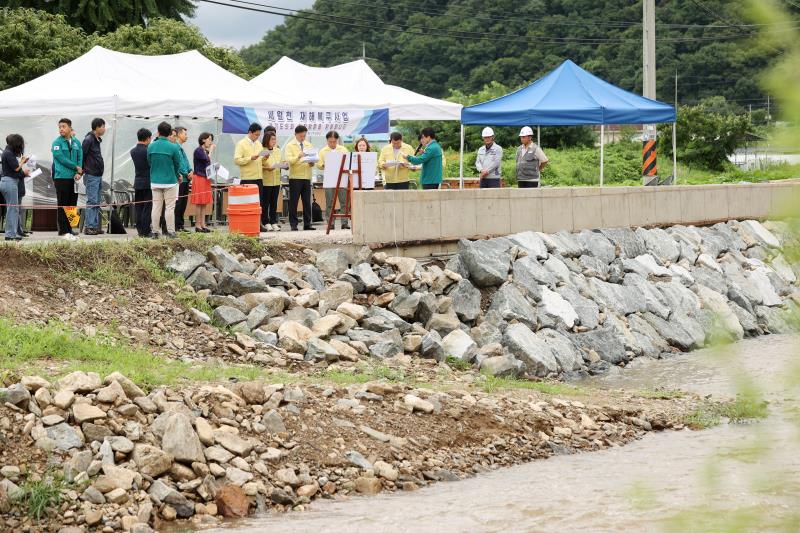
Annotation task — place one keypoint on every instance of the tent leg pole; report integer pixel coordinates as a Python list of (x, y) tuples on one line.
[(461, 160), (602, 152), (675, 151), (113, 157), (539, 136)]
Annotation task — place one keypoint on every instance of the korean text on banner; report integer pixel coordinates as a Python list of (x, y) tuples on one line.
[(347, 122)]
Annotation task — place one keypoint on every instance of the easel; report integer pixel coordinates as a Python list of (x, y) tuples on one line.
[(348, 198)]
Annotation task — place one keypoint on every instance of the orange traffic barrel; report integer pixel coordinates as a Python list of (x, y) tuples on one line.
[(244, 210)]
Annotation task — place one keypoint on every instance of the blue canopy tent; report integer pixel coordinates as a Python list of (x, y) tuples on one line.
[(568, 96)]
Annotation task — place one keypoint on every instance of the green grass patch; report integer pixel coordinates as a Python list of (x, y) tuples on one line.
[(702, 419), (124, 264), (189, 299), (660, 394), (457, 364), (36, 497), (362, 373), (54, 350), (492, 384), (743, 408)]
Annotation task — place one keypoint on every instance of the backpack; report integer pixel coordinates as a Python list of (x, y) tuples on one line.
[(316, 212)]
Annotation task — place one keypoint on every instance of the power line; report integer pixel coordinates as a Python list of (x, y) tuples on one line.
[(467, 35)]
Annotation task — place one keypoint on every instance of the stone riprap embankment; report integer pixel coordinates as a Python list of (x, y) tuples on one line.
[(529, 304)]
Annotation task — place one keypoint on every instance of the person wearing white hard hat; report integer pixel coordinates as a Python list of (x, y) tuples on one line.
[(530, 160), (489, 160)]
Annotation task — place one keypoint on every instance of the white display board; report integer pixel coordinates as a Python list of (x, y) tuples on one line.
[(333, 162)]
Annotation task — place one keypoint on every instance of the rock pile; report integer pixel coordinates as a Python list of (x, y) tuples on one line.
[(531, 304), (133, 460)]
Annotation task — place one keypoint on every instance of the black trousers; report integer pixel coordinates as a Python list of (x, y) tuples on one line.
[(490, 183), (528, 184), (429, 186), (300, 189), (143, 208), (271, 195), (180, 203), (65, 197), (396, 186)]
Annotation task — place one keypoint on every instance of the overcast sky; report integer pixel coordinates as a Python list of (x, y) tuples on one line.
[(238, 27)]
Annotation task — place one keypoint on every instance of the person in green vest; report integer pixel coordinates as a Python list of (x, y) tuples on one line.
[(67, 169), (431, 160), (165, 168)]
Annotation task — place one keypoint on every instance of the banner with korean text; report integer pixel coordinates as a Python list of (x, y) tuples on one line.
[(319, 121)]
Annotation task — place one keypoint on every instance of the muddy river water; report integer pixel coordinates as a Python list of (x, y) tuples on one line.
[(673, 481)]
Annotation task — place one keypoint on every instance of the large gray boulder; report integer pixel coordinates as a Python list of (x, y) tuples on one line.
[(660, 244), (466, 300), (734, 240), (562, 243), (239, 283), (275, 276), (534, 352), (529, 274), (626, 240), (223, 260), (505, 366), (202, 279), (713, 243), (587, 310), (459, 345), (531, 243), (597, 245), (179, 438), (380, 319), (431, 346), (364, 274), (185, 263), (555, 308), (606, 343), (226, 316), (405, 305), (336, 294), (261, 313), (760, 281), (726, 322), (486, 333), (678, 298), (65, 436), (709, 278), (680, 330), (332, 262), (647, 337), (510, 304), (565, 352), (488, 262), (312, 275), (653, 298), (754, 233), (623, 299)]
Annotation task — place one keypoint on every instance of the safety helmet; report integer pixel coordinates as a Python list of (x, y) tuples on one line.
[(526, 132), (487, 132)]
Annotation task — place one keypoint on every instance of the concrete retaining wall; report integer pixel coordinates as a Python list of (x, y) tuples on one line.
[(413, 217)]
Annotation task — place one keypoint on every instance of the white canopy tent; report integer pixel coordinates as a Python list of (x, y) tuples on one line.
[(130, 92), (105, 82), (353, 85)]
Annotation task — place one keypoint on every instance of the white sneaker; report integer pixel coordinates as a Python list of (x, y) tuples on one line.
[(69, 237), (276, 227)]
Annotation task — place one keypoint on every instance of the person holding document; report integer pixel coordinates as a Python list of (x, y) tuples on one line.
[(14, 171), (67, 170), (332, 140), (301, 156), (248, 156), (391, 161), (271, 170), (201, 185), (431, 159)]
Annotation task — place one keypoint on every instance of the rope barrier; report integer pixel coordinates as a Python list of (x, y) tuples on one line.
[(113, 204)]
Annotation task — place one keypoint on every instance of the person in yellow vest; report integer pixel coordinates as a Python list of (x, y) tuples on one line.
[(271, 171), (301, 156), (247, 156), (332, 145), (392, 162)]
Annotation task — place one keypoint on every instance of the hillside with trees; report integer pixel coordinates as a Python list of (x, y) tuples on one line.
[(463, 45)]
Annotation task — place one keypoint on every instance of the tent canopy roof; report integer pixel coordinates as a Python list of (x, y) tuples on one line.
[(568, 96), (353, 85), (105, 82)]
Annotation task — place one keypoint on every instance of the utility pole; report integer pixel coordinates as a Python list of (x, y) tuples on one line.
[(649, 167), (363, 50)]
